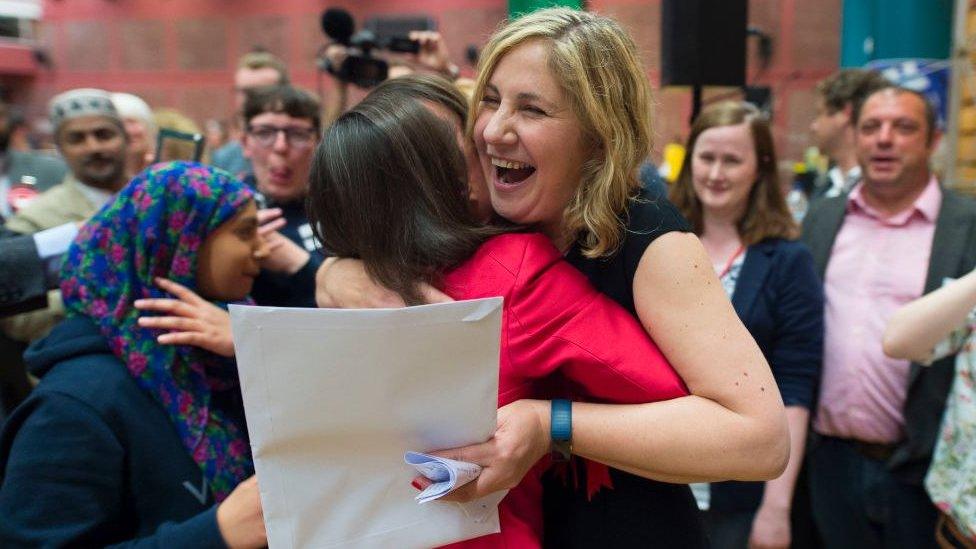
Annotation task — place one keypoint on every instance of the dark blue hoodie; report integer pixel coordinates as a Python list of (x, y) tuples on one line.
[(90, 460)]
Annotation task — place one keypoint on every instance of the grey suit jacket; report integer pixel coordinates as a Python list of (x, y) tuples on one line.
[(953, 255), (47, 170), (22, 282)]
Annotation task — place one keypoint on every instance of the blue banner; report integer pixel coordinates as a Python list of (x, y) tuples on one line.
[(927, 76)]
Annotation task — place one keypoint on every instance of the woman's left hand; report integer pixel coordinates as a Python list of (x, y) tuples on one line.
[(770, 529), (190, 319), (520, 441)]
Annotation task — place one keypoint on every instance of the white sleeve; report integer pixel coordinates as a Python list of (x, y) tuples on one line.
[(55, 241)]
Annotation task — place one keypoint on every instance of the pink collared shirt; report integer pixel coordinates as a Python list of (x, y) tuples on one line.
[(877, 265)]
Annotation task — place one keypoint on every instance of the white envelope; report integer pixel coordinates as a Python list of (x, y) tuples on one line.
[(334, 398)]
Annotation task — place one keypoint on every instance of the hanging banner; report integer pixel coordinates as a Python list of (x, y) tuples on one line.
[(930, 77)]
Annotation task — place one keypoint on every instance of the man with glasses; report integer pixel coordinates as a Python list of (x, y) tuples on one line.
[(281, 130), (256, 69)]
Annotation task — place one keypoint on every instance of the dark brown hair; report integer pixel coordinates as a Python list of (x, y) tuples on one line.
[(766, 214), (931, 118), (283, 99), (388, 185), (849, 87), (428, 87)]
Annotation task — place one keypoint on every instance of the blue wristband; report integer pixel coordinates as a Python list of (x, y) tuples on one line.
[(561, 428)]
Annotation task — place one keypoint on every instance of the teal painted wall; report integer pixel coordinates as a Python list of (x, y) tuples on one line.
[(518, 7), (887, 29)]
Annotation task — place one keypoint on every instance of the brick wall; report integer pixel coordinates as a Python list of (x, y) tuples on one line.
[(181, 53)]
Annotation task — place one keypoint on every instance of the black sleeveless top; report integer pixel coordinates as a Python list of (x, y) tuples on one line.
[(637, 512)]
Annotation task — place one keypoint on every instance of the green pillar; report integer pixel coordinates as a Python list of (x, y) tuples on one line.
[(519, 7), (889, 29)]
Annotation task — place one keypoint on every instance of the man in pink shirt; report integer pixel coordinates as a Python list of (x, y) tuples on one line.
[(895, 236)]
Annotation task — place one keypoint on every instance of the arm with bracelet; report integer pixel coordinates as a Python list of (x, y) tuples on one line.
[(561, 338)]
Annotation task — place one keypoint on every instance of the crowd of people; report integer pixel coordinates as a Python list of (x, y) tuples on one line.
[(688, 367)]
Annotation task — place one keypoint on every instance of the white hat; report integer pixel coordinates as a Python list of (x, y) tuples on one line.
[(82, 102), (132, 106)]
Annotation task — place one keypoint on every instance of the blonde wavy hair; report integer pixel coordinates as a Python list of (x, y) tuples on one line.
[(598, 68)]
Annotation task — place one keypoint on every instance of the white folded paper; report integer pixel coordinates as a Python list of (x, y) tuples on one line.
[(335, 397), (447, 475)]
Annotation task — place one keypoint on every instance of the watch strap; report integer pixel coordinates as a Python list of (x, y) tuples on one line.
[(561, 429)]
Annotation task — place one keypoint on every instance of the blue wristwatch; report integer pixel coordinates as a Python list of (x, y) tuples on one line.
[(561, 429)]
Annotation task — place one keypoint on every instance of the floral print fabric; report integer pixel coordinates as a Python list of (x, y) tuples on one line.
[(951, 480), (154, 228)]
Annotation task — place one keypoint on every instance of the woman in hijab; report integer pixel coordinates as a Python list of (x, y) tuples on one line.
[(127, 441)]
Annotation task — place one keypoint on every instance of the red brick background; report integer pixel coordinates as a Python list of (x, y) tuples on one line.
[(181, 53)]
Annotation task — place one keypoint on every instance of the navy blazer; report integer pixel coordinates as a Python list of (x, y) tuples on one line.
[(779, 298)]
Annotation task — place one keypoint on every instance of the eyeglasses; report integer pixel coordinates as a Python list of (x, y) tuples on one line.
[(299, 138)]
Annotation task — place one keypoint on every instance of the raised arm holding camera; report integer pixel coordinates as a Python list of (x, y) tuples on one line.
[(378, 52)]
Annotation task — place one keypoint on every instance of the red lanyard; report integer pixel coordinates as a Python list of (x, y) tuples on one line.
[(728, 266)]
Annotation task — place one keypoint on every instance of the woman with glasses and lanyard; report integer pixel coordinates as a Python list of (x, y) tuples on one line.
[(282, 129)]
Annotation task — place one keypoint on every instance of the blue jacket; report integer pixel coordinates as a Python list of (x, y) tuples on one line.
[(779, 298), (90, 460)]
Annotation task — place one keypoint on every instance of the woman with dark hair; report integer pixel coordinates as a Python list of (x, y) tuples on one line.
[(730, 191), (389, 186), (446, 100), (127, 441)]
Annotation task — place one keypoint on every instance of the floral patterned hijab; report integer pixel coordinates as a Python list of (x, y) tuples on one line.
[(154, 228)]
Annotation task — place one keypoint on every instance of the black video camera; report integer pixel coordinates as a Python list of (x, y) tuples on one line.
[(361, 67)]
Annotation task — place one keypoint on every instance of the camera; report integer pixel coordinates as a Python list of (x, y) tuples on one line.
[(361, 67)]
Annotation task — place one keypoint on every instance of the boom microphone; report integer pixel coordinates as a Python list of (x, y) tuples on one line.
[(338, 25)]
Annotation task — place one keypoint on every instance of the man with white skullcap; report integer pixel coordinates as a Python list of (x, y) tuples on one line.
[(140, 126), (91, 137)]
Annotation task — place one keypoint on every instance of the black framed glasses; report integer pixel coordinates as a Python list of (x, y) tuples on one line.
[(299, 138)]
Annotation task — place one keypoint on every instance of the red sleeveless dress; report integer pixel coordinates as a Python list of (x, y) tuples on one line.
[(557, 330)]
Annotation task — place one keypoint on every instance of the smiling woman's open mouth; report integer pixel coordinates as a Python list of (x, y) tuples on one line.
[(512, 172)]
